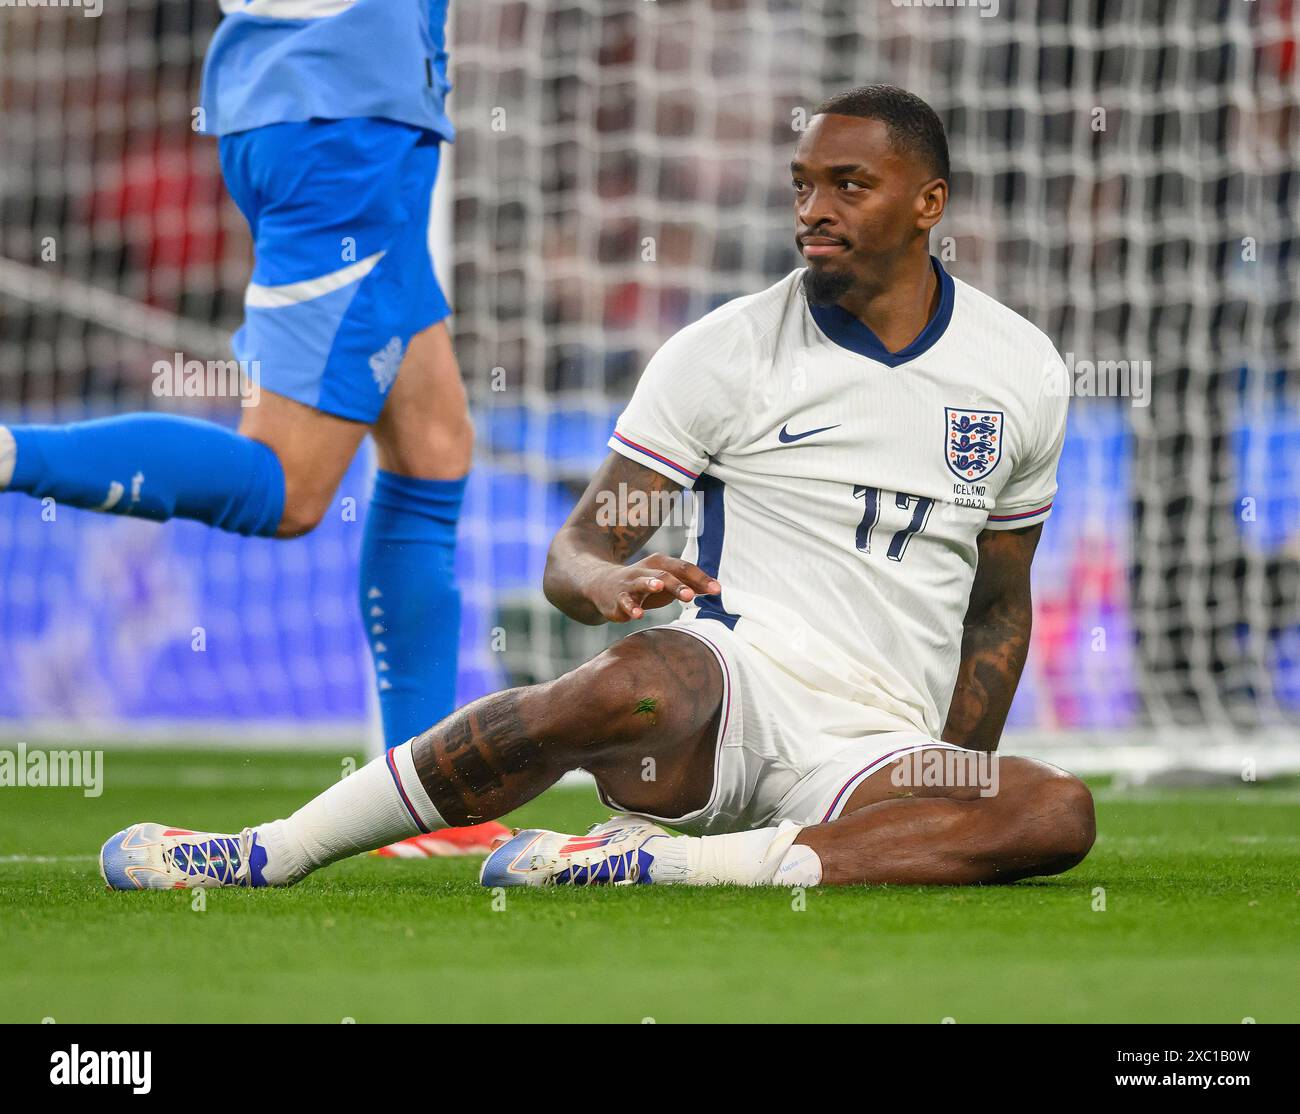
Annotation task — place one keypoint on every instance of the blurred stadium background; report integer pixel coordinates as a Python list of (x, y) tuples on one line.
[(1127, 175)]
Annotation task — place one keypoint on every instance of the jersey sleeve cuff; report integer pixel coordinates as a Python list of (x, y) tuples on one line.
[(1013, 518), (636, 449)]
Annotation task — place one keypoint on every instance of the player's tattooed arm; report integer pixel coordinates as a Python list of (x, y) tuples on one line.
[(587, 575), (995, 640)]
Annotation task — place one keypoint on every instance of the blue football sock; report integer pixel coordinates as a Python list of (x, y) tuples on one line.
[(154, 466), (409, 600)]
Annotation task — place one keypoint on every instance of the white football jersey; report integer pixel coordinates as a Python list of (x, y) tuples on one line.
[(842, 487)]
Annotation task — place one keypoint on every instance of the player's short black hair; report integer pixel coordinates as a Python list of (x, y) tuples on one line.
[(913, 125)]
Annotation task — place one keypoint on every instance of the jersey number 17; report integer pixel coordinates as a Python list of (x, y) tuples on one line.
[(919, 505)]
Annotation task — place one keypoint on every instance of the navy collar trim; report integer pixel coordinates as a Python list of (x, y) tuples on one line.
[(841, 327)]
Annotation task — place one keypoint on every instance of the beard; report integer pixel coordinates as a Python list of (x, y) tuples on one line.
[(825, 287)]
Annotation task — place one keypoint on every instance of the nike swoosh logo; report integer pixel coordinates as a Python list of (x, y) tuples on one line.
[(788, 438)]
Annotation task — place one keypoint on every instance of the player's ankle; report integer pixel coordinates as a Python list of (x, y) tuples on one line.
[(286, 861), (765, 857)]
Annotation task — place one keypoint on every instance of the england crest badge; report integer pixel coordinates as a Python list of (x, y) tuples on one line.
[(974, 444)]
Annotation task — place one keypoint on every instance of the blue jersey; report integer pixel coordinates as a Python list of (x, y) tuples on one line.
[(280, 61)]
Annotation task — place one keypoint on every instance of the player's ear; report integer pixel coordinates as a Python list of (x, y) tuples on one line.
[(930, 203)]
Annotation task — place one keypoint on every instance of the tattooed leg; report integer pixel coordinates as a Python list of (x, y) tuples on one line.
[(487, 758), (642, 717)]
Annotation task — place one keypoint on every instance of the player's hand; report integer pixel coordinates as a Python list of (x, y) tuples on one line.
[(627, 592)]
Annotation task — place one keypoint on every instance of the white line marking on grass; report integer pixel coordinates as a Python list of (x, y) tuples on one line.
[(1226, 795), (49, 858), (1205, 842)]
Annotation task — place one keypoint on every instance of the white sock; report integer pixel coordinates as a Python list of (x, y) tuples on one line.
[(8, 456), (371, 808), (766, 857)]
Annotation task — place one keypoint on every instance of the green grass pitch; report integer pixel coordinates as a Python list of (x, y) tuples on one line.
[(1201, 922)]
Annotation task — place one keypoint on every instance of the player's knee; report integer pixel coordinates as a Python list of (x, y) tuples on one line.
[(1073, 822), (297, 522), (305, 505), (446, 448), (440, 448), (628, 701), (615, 697), (668, 683)]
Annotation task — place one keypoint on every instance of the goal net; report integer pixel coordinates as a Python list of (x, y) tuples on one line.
[(1125, 175)]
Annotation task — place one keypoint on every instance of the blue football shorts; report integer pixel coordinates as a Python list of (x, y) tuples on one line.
[(340, 216)]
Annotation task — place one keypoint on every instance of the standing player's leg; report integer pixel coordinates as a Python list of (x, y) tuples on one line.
[(153, 466), (408, 593), (410, 603), (276, 475), (337, 211), (273, 478), (314, 449), (486, 759)]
